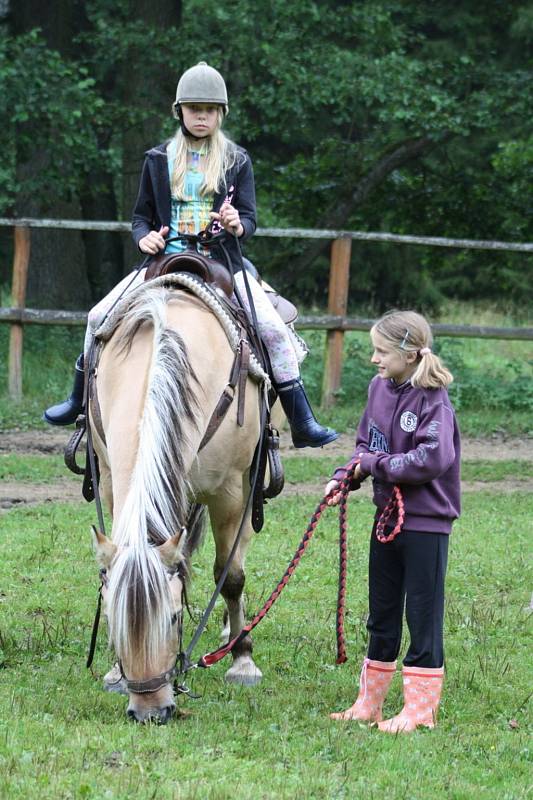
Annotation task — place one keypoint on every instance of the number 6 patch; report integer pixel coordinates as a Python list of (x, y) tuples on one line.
[(408, 421)]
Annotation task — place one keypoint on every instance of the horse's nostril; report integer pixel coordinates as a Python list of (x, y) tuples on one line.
[(131, 713), (166, 713)]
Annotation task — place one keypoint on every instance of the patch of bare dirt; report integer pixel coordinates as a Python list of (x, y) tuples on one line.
[(48, 441), (18, 493), (51, 441), (494, 448)]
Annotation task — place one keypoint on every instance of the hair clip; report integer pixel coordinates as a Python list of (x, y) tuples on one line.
[(424, 351), (404, 340)]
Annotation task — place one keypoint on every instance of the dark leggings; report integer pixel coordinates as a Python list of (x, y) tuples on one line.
[(408, 571)]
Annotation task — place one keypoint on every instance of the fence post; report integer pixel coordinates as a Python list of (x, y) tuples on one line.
[(339, 281), (21, 260)]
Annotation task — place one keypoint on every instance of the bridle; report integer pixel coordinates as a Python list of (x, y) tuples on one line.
[(149, 685)]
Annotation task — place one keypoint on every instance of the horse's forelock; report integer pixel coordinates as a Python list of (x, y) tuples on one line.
[(139, 607)]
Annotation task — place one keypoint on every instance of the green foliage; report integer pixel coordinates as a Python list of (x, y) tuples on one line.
[(45, 99), (330, 98), (488, 375)]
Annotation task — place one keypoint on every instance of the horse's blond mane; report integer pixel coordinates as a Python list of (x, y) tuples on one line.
[(139, 602)]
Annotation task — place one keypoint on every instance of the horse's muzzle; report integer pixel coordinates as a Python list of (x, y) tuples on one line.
[(160, 716)]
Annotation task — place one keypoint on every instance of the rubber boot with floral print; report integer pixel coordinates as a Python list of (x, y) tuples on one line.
[(422, 689), (374, 683)]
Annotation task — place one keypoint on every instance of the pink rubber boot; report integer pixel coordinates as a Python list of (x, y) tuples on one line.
[(374, 683), (422, 688)]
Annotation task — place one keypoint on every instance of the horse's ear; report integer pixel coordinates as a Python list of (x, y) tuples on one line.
[(104, 548), (171, 549)]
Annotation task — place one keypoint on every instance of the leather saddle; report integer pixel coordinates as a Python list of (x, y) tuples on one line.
[(212, 271)]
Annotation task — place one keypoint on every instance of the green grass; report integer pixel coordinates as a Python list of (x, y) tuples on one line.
[(62, 737), (32, 468), (302, 470), (43, 468)]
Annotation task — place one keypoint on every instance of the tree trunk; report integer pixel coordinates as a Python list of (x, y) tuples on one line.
[(140, 85)]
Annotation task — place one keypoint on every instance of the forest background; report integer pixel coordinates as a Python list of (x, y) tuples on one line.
[(405, 116)]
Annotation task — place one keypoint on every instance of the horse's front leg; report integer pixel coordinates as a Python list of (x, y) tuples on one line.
[(225, 521)]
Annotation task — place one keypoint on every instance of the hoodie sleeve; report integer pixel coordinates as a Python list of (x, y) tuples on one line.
[(431, 456), (144, 209), (361, 446)]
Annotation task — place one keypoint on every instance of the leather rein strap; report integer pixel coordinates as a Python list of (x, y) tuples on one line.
[(238, 375)]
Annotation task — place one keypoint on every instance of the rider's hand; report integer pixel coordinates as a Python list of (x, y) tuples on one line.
[(154, 241), (228, 216), (332, 493)]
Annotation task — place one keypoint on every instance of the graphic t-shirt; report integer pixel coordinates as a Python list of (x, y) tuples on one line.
[(190, 215)]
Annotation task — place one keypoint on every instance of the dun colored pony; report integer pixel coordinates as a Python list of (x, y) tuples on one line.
[(159, 379)]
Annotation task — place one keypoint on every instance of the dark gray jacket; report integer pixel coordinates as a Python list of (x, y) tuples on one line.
[(152, 207)]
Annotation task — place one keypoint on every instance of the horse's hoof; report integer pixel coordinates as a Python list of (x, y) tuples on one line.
[(114, 682), (244, 674)]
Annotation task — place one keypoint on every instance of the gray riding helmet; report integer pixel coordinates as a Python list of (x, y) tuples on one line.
[(201, 84)]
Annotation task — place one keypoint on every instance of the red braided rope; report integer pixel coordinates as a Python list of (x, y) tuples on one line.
[(211, 658), (394, 506), (343, 562), (396, 502)]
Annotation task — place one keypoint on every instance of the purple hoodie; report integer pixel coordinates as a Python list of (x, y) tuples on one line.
[(409, 437)]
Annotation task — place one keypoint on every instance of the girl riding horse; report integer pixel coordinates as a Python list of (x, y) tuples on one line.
[(197, 177)]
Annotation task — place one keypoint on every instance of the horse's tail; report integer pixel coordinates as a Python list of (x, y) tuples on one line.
[(157, 504)]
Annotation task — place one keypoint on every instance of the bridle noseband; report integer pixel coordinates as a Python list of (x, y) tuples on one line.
[(149, 685)]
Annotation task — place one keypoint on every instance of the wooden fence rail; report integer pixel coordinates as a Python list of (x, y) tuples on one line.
[(335, 323)]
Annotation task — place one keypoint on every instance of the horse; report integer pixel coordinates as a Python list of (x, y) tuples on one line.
[(158, 380)]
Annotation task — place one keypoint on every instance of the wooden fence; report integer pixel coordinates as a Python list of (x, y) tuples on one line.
[(336, 323)]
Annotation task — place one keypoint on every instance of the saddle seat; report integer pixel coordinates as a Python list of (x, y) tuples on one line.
[(218, 276)]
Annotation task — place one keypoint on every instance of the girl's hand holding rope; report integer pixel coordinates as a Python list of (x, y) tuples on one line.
[(332, 488)]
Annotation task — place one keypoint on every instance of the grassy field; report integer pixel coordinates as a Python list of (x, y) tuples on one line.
[(62, 737)]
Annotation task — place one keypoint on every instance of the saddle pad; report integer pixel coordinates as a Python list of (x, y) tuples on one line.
[(182, 280)]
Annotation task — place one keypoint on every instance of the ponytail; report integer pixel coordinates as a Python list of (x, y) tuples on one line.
[(430, 372)]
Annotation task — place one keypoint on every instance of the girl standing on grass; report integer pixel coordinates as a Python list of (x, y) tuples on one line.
[(407, 436), (196, 178)]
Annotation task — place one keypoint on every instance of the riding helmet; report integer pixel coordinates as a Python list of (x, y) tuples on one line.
[(201, 84)]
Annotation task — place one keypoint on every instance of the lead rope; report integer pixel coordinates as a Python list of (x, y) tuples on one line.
[(395, 503)]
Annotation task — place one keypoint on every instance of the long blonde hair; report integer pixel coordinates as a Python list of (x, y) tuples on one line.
[(221, 155), (409, 332)]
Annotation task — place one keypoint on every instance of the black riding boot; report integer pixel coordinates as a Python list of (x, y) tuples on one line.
[(306, 431), (67, 412)]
